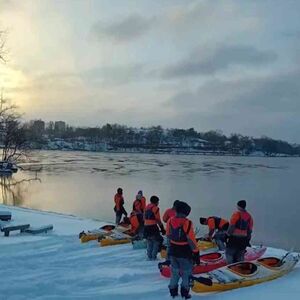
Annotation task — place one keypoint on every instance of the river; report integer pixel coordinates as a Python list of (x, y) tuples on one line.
[(84, 183)]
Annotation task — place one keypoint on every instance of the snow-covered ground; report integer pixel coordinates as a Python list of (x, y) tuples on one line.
[(57, 266)]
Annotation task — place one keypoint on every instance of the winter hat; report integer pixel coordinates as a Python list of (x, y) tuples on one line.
[(175, 203), (154, 199), (140, 193), (242, 204), (202, 220), (119, 190), (183, 208)]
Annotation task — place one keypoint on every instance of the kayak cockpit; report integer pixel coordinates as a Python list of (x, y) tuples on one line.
[(243, 268), (270, 262)]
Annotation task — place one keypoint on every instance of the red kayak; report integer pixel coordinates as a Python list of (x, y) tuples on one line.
[(214, 260)]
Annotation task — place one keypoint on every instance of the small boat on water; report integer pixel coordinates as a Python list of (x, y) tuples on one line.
[(7, 167), (245, 274)]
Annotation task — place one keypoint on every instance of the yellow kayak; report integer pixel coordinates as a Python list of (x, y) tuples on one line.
[(109, 241), (245, 274), (202, 246)]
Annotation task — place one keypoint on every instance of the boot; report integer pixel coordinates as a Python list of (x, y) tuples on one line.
[(185, 293), (174, 291)]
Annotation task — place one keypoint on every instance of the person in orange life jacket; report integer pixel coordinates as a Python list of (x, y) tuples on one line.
[(119, 205), (137, 216), (183, 249), (137, 227), (152, 224), (217, 230), (142, 199), (170, 212), (239, 233)]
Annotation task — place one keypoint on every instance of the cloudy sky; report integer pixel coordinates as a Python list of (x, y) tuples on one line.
[(229, 65)]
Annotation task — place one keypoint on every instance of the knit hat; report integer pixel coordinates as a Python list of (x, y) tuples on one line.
[(154, 199), (175, 203), (202, 220), (140, 193), (242, 204), (183, 208)]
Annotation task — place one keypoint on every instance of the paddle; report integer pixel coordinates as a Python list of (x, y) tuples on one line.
[(203, 280)]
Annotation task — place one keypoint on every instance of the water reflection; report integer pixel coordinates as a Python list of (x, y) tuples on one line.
[(13, 191)]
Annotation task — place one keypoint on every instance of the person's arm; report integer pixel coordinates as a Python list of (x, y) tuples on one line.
[(159, 222), (166, 216), (191, 236)]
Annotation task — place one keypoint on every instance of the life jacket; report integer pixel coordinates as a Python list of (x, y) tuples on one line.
[(169, 213), (151, 215), (138, 206), (219, 223), (242, 224), (177, 234), (134, 221), (119, 201), (143, 202)]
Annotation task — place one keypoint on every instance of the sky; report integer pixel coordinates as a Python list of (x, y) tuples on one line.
[(228, 65)]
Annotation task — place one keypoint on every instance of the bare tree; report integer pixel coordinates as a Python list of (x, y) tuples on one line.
[(2, 45), (12, 133)]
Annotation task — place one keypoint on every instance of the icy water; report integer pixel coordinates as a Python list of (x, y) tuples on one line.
[(84, 184)]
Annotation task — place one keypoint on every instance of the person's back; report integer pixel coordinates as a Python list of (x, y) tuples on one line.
[(217, 228), (239, 233), (182, 249)]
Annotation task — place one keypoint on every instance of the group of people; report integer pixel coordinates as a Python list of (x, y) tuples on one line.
[(233, 236)]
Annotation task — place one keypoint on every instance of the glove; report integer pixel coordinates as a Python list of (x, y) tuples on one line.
[(196, 258)]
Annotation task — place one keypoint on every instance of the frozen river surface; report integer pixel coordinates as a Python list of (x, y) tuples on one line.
[(83, 184)]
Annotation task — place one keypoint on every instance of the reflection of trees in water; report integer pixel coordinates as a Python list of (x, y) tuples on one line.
[(14, 191)]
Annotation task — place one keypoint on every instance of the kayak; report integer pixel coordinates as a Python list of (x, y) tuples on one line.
[(101, 233), (215, 260), (109, 241), (202, 246), (243, 274)]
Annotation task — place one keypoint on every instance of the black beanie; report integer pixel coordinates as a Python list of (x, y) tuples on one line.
[(175, 203), (242, 204), (154, 199), (183, 208), (202, 220)]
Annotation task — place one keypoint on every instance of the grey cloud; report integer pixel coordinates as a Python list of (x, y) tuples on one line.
[(221, 59), (124, 30), (263, 105), (115, 75)]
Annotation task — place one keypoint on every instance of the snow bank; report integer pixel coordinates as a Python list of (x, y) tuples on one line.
[(57, 266)]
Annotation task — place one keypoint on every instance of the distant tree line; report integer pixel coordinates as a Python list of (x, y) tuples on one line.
[(116, 135)]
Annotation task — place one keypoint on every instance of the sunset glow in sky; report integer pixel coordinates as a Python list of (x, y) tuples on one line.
[(230, 65)]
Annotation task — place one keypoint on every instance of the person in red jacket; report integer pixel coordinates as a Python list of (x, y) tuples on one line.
[(217, 228), (183, 250), (119, 206), (153, 227), (170, 212), (239, 233)]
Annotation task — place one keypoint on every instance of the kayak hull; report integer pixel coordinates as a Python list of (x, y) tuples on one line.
[(225, 279), (215, 260)]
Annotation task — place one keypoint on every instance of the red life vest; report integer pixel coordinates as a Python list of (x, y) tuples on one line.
[(242, 225), (177, 234), (150, 214)]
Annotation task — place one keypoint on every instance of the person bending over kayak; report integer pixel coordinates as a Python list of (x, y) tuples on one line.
[(217, 228), (239, 233), (152, 224), (119, 206), (170, 212), (183, 250)]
